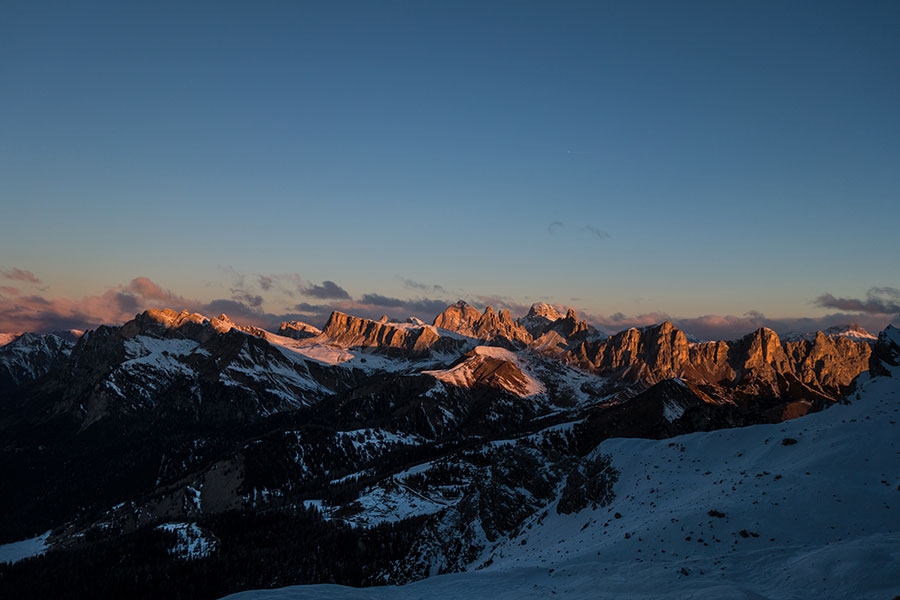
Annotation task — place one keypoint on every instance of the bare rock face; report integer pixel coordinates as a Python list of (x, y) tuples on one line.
[(759, 364), (345, 330), (541, 316), (488, 326), (416, 340), (559, 336), (829, 363), (501, 327), (167, 323), (298, 330), (759, 361), (651, 354), (459, 317), (709, 362)]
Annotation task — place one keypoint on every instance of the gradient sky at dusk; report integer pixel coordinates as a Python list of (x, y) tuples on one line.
[(722, 164)]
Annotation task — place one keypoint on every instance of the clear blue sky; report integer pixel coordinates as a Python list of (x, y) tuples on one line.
[(635, 160)]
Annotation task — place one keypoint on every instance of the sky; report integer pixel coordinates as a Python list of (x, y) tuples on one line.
[(724, 165)]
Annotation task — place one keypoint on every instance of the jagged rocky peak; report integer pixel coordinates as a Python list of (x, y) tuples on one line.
[(222, 323), (169, 318), (298, 330), (27, 356), (411, 339), (459, 317), (168, 323), (500, 327), (831, 362), (340, 323), (763, 348), (165, 322), (349, 331), (544, 311), (541, 316), (487, 326), (570, 326)]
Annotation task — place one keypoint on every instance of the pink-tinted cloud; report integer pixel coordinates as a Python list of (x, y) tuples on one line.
[(115, 305), (20, 275), (144, 288)]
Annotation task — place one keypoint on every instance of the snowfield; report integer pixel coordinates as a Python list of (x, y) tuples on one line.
[(808, 508), (16, 551)]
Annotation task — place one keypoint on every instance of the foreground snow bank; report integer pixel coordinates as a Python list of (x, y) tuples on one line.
[(806, 508)]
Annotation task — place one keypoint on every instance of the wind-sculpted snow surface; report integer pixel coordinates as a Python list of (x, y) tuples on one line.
[(808, 508)]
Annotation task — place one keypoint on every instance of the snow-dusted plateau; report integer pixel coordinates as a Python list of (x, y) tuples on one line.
[(480, 456)]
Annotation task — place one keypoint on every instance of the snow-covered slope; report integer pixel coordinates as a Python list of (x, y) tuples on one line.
[(16, 551), (27, 356), (852, 331), (490, 365), (808, 508)]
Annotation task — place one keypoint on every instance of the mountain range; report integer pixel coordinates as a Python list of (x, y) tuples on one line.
[(193, 446)]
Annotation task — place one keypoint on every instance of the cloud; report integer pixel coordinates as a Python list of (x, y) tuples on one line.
[(116, 305), (148, 290), (379, 300), (20, 275), (372, 306), (425, 308), (879, 301), (306, 307), (234, 309), (283, 283), (121, 303), (248, 298), (329, 290), (400, 308), (552, 227), (424, 287)]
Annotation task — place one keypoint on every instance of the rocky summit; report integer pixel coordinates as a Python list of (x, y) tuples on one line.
[(368, 452)]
